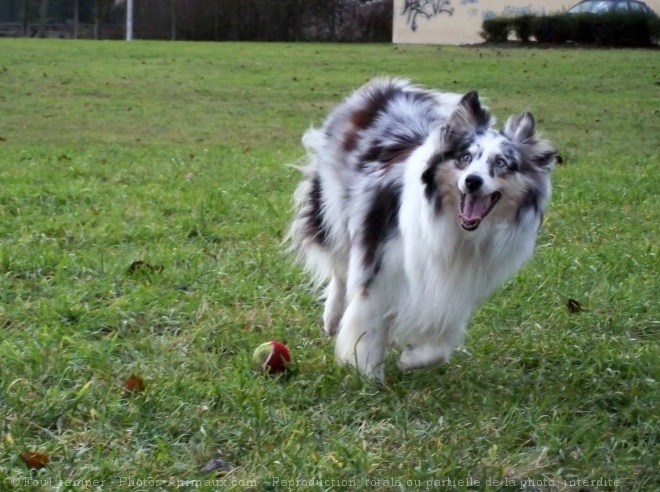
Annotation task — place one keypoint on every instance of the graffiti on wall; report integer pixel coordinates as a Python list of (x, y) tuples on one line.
[(425, 8)]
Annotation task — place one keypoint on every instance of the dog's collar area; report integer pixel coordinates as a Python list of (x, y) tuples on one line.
[(474, 208)]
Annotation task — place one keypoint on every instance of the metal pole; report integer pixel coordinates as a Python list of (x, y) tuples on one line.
[(129, 20)]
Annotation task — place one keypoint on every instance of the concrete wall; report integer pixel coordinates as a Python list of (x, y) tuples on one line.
[(459, 21)]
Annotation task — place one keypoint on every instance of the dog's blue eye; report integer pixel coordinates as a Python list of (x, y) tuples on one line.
[(499, 162), (467, 157)]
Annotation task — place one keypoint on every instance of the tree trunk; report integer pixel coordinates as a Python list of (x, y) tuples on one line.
[(333, 20), (76, 17), (43, 18), (25, 19), (98, 10), (173, 20)]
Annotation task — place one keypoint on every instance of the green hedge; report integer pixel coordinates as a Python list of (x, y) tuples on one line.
[(611, 29), (522, 26), (496, 30)]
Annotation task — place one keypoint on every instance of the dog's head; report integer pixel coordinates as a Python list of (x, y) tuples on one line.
[(498, 173)]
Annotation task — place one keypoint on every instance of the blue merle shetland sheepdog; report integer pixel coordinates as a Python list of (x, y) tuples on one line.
[(415, 209)]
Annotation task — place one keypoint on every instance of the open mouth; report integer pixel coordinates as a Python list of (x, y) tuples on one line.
[(475, 208)]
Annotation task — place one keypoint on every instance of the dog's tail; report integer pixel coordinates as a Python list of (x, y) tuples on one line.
[(308, 234)]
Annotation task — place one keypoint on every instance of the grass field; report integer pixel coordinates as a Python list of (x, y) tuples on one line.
[(172, 154)]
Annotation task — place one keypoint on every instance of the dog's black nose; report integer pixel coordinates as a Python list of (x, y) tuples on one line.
[(473, 182)]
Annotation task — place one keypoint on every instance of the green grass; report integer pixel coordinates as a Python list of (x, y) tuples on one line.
[(173, 154)]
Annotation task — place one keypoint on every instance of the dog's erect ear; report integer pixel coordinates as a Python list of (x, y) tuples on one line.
[(471, 101), (479, 116), (522, 131), (468, 118), (520, 128)]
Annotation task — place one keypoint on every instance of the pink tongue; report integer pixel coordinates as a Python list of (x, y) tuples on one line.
[(475, 206)]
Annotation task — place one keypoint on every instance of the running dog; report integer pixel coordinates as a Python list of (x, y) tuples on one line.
[(415, 209)]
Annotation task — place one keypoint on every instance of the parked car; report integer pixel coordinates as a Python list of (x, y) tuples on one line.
[(605, 6)]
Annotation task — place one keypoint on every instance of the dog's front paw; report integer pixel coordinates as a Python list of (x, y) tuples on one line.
[(331, 325), (417, 356), (367, 364), (335, 305)]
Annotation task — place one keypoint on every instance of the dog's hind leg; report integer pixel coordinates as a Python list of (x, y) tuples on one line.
[(335, 304), (362, 338)]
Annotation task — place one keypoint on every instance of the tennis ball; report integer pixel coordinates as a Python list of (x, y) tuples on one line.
[(271, 357)]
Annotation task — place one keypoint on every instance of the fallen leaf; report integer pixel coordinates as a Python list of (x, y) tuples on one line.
[(134, 384), (142, 266), (216, 465), (573, 306), (34, 460)]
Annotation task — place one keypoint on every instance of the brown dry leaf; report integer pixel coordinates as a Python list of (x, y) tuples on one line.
[(134, 384), (35, 460), (573, 306), (143, 267)]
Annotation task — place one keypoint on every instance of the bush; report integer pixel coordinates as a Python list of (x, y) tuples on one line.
[(522, 27), (496, 30), (654, 28), (629, 29), (552, 28), (615, 29), (581, 27)]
